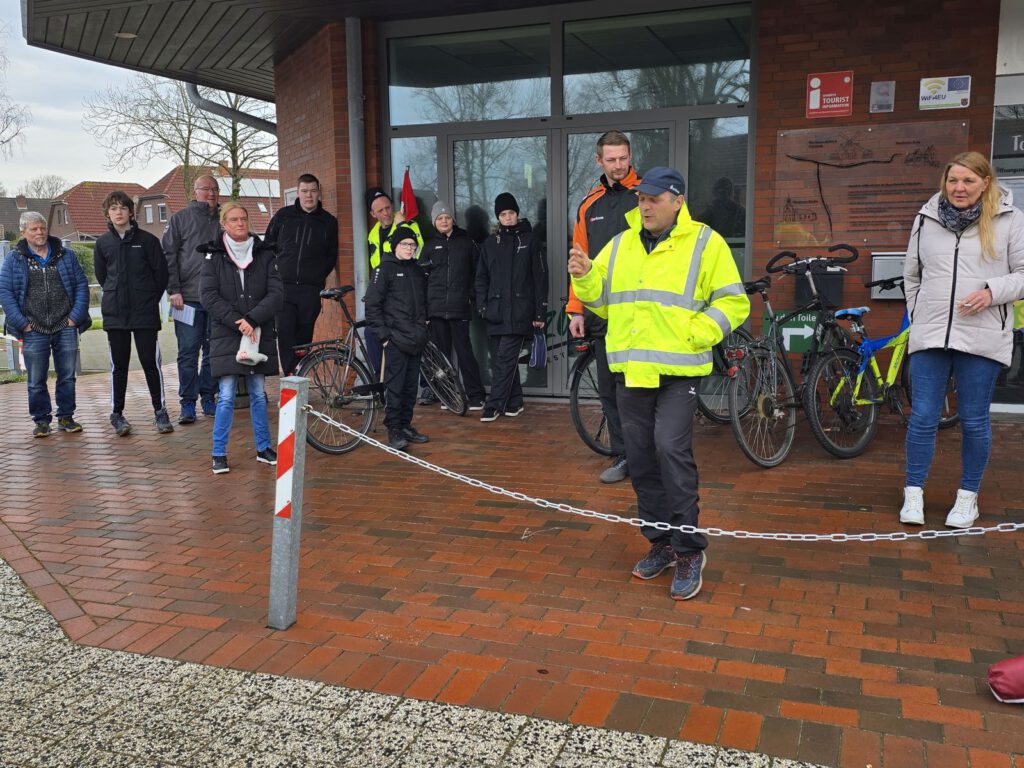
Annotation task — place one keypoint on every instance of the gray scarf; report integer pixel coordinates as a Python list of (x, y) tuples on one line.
[(954, 219)]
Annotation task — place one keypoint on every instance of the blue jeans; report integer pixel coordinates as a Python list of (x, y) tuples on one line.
[(226, 412), (194, 381), (975, 385), (37, 349)]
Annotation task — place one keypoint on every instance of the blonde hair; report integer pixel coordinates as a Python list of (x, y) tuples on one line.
[(978, 164), (226, 208)]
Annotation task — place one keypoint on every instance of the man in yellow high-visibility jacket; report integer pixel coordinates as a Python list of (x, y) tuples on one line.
[(671, 291)]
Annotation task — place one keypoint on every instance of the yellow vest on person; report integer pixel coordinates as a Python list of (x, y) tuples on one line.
[(666, 309), (373, 240)]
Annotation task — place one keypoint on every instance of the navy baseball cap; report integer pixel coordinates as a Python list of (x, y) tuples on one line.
[(662, 179)]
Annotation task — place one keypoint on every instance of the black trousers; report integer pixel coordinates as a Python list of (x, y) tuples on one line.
[(606, 388), (401, 373), (657, 428), (451, 335), (296, 321), (148, 350), (506, 389)]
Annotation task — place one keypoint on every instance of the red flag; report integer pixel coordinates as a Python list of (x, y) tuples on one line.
[(409, 207)]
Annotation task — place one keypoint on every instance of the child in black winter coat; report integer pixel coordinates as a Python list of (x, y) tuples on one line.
[(396, 308)]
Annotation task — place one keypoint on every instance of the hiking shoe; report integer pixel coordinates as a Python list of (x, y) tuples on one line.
[(687, 581), (617, 472), (267, 456), (396, 440), (489, 414), (964, 511), (41, 429), (220, 465), (912, 512), (68, 424), (427, 397), (120, 424), (658, 559), (163, 422), (188, 414), (410, 434), (513, 411), (209, 408), (476, 405)]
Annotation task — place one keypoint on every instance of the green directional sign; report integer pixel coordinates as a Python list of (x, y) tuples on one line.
[(797, 331)]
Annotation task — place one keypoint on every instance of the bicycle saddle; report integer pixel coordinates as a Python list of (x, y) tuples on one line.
[(851, 312), (758, 285), (337, 292)]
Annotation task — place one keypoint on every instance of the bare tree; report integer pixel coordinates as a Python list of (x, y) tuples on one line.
[(153, 117), (14, 118), (45, 187)]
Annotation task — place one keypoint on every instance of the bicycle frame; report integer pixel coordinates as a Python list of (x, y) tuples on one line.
[(867, 349)]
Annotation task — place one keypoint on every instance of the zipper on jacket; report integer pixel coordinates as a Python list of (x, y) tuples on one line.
[(952, 290)]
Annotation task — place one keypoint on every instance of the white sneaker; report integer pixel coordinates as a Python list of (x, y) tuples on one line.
[(912, 512), (964, 511)]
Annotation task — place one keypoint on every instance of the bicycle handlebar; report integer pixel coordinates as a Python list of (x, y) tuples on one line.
[(802, 265), (886, 283)]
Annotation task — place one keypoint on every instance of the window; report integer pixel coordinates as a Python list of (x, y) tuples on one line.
[(162, 212), (62, 215), (671, 59), (491, 74), (149, 214), (262, 207), (420, 154)]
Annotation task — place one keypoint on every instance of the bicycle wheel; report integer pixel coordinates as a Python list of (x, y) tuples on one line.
[(762, 407), (950, 414), (713, 394), (585, 405), (834, 402), (443, 379), (339, 387)]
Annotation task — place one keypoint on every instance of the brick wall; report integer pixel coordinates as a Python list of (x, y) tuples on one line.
[(878, 40)]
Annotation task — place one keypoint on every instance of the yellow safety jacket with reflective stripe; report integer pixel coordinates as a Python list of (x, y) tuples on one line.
[(666, 309), (373, 240)]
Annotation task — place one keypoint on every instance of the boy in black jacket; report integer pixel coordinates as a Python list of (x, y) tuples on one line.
[(396, 308)]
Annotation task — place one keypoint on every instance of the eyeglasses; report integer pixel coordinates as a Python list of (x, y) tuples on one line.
[(407, 244)]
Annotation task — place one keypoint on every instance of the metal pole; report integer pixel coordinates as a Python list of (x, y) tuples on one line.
[(291, 465)]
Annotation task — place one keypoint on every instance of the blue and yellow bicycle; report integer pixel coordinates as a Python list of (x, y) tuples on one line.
[(845, 387)]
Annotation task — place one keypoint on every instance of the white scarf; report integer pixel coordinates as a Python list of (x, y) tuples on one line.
[(240, 253)]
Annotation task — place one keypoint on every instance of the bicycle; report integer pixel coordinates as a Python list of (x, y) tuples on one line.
[(342, 387), (763, 396), (845, 388)]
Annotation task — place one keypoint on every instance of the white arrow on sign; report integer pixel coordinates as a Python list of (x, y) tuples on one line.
[(788, 333)]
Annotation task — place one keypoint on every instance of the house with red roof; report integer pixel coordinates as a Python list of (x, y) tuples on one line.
[(78, 213), (11, 209), (260, 193)]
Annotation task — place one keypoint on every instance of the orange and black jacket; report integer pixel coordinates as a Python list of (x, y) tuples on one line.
[(601, 216)]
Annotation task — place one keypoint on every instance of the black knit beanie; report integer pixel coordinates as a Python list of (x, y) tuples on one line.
[(401, 233), (372, 194), (505, 202)]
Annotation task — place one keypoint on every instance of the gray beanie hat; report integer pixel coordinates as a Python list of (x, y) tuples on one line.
[(440, 209)]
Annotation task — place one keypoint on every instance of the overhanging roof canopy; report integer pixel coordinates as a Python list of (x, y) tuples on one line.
[(227, 44)]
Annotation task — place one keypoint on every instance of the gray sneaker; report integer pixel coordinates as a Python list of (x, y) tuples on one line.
[(658, 559), (617, 472), (687, 580), (120, 424), (163, 422)]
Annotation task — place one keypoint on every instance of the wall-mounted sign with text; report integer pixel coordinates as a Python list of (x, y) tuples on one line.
[(830, 94), (945, 92)]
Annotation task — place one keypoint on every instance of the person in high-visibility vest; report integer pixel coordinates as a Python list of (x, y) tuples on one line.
[(670, 290)]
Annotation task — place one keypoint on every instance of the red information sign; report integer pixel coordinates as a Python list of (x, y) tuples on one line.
[(830, 94)]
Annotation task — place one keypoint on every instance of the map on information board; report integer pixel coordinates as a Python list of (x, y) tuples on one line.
[(860, 185)]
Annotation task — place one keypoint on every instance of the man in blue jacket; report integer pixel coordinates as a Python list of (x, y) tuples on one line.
[(45, 296)]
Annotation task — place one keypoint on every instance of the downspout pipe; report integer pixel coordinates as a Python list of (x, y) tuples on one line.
[(228, 113), (356, 153)]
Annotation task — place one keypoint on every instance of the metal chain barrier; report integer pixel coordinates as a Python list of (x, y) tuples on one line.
[(638, 523)]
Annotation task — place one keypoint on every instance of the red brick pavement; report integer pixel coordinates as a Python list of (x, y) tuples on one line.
[(411, 584)]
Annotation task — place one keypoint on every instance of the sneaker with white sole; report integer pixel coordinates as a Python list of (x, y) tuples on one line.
[(912, 512), (964, 511)]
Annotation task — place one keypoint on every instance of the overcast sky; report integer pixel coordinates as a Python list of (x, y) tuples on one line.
[(53, 86)]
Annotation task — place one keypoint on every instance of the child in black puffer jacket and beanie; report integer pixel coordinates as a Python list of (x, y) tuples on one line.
[(396, 308)]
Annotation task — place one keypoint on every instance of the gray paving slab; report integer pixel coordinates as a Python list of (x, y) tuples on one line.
[(65, 705)]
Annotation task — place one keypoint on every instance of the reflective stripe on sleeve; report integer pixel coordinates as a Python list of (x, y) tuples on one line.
[(660, 357)]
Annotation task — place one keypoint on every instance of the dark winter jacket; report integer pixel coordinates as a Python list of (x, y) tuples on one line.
[(228, 302), (512, 281), (307, 245), (14, 286), (132, 272), (188, 229), (396, 303), (450, 261)]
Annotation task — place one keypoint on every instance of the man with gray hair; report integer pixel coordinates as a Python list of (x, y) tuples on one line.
[(45, 296), (194, 225)]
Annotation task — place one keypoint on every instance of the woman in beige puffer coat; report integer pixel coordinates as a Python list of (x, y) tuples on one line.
[(963, 271)]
